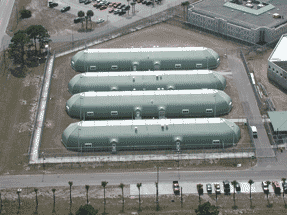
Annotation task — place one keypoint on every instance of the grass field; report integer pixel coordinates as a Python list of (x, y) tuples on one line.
[(131, 206)]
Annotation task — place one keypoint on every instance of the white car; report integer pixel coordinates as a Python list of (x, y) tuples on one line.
[(100, 21), (265, 186)]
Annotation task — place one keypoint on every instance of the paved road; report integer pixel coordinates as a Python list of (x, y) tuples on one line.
[(250, 106)]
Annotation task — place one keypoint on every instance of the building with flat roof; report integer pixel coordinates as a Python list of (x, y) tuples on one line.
[(255, 22), (277, 64)]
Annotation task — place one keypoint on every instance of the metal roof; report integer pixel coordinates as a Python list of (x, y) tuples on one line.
[(146, 73), (244, 18), (278, 120), (156, 49), (152, 122), (157, 92), (279, 52)]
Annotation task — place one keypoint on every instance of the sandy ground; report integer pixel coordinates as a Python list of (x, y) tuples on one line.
[(57, 119), (131, 206)]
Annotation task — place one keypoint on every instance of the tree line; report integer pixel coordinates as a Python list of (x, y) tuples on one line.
[(87, 209)]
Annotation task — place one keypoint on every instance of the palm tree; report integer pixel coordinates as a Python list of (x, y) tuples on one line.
[(87, 189), (81, 14), (185, 7), (157, 204), (122, 187), (139, 187), (90, 13), (250, 182), (234, 184), (128, 5), (199, 187), (133, 7), (53, 190), (104, 184), (284, 180), (36, 190), (268, 183), (71, 184)]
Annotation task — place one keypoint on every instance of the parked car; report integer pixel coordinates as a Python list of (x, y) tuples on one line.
[(110, 5), (217, 188), (122, 6), (64, 9), (139, 1), (264, 187), (100, 21), (82, 1), (122, 12), (95, 5), (284, 186), (99, 5), (118, 5), (127, 7), (87, 2), (237, 187), (276, 187), (175, 187), (226, 186), (144, 2), (53, 4), (103, 7), (208, 188), (149, 3), (117, 11), (78, 19), (111, 10)]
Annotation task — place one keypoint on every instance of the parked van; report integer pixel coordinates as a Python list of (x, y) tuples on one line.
[(254, 131)]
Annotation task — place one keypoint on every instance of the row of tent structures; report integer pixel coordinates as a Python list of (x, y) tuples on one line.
[(141, 95)]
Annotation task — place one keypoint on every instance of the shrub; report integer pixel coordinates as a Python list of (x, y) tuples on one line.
[(86, 210), (25, 13)]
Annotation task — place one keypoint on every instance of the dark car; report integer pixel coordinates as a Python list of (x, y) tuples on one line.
[(127, 7), (82, 1), (226, 186), (237, 187), (52, 4), (78, 19), (122, 6), (175, 186), (118, 5), (122, 12), (87, 2), (284, 186), (99, 5), (276, 187), (117, 11), (208, 188), (144, 2), (64, 9), (149, 3), (111, 10), (103, 7)]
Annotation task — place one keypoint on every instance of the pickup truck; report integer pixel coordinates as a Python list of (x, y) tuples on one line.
[(175, 186)]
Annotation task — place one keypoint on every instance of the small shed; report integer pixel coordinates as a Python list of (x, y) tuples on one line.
[(278, 121)]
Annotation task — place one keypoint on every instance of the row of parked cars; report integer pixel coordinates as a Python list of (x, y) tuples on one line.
[(116, 7), (226, 186)]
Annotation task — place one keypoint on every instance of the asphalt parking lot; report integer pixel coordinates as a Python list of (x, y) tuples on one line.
[(141, 11)]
